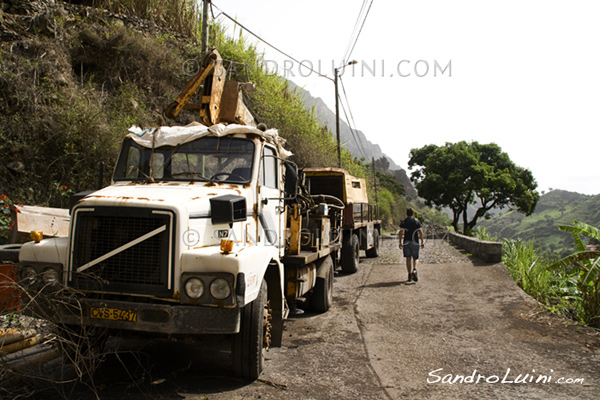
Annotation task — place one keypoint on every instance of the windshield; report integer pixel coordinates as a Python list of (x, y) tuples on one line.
[(216, 159)]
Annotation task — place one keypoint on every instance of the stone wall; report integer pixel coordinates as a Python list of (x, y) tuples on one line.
[(490, 252)]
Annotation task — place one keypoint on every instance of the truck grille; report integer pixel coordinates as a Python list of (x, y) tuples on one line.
[(122, 250)]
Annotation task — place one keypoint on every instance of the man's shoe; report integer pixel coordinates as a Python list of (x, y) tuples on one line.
[(410, 277), (415, 276)]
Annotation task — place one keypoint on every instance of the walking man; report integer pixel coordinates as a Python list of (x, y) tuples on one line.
[(411, 232)]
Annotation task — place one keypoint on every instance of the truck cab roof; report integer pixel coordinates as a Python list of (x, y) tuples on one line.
[(339, 183), (178, 135)]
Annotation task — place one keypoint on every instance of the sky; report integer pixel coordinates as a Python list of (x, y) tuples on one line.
[(522, 74)]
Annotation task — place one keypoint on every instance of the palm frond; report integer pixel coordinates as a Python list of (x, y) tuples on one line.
[(575, 259)]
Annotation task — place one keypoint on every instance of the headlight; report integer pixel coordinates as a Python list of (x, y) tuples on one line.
[(29, 275), (50, 276), (219, 289), (194, 288)]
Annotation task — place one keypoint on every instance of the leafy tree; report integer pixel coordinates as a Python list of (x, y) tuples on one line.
[(457, 175)]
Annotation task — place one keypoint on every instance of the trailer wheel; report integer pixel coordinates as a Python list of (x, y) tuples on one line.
[(350, 253), (322, 297), (374, 251), (254, 336)]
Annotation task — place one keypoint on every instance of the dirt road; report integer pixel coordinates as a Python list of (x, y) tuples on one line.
[(385, 338)]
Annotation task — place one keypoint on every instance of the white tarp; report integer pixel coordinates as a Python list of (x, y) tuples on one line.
[(176, 135)]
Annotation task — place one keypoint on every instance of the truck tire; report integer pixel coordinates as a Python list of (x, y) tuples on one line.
[(247, 346), (322, 297), (350, 255), (374, 251)]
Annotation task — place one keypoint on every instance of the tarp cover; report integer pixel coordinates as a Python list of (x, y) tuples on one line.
[(176, 135)]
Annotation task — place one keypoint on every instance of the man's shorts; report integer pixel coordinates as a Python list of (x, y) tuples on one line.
[(411, 250)]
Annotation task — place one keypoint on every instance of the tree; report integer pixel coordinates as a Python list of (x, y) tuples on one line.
[(461, 174)]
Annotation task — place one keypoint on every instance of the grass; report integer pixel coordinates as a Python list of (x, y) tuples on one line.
[(69, 98), (184, 16), (482, 233)]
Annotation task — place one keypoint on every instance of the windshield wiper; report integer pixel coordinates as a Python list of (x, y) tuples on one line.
[(195, 176)]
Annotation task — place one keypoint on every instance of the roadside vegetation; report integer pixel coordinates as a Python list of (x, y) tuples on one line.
[(570, 286), (74, 84), (184, 16)]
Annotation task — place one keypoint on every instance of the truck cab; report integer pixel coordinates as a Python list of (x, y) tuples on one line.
[(192, 237)]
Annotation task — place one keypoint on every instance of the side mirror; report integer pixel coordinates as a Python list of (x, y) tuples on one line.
[(291, 180), (227, 209)]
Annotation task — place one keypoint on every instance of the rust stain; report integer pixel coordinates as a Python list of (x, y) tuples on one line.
[(124, 198)]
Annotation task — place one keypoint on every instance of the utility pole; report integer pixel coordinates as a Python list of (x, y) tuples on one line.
[(336, 73), (337, 118), (375, 187), (204, 37)]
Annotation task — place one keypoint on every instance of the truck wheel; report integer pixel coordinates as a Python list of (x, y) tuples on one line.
[(253, 337), (374, 251), (350, 252), (322, 297)]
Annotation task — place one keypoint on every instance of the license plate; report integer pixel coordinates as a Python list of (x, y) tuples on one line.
[(114, 314)]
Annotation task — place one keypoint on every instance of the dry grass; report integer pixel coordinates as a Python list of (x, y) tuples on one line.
[(184, 16)]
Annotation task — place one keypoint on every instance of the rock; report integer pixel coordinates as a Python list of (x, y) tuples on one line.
[(15, 166), (28, 7), (45, 24)]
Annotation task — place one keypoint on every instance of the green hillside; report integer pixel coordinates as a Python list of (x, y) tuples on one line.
[(555, 208), (77, 74)]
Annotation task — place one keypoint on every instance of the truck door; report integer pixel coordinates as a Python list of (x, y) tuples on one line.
[(271, 212)]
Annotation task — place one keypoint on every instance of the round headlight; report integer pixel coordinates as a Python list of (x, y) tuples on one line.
[(219, 289), (29, 275), (194, 288), (50, 276)]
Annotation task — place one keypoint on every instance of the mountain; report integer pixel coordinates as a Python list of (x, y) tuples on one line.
[(557, 207), (355, 141)]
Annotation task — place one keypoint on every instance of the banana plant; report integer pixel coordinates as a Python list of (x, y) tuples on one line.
[(587, 262)]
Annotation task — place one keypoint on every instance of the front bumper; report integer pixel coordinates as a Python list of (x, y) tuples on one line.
[(156, 318)]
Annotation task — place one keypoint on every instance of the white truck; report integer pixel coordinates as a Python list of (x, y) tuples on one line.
[(204, 230)]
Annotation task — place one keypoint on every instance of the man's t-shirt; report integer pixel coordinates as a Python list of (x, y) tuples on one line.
[(410, 225)]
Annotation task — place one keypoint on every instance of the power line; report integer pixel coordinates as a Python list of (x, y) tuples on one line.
[(267, 43), (354, 31), (352, 131), (358, 143), (349, 53), (346, 98)]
